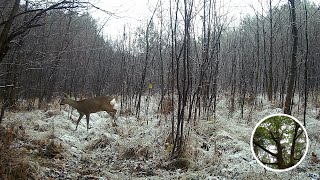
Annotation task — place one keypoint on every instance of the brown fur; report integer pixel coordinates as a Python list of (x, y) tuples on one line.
[(91, 105)]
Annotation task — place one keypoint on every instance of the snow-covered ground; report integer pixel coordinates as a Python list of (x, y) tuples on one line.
[(135, 148)]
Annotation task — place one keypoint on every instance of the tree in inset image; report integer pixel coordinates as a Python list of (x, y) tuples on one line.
[(279, 142)]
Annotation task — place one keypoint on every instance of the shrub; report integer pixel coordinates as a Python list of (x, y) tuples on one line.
[(13, 163)]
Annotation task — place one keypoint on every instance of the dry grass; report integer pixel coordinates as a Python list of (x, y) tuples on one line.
[(52, 113), (20, 157), (30, 104), (126, 112), (179, 163), (46, 148), (52, 150), (183, 158), (128, 153), (137, 152), (13, 163), (277, 104), (166, 106), (100, 143)]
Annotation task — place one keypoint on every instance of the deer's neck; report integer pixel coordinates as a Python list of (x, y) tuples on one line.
[(73, 103)]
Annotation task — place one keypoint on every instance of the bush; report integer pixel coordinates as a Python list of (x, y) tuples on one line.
[(179, 163), (13, 163), (101, 142), (166, 106), (141, 152)]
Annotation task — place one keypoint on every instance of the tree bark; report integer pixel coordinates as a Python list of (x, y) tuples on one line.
[(293, 70), (306, 88)]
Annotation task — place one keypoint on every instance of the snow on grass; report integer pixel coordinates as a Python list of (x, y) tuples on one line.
[(135, 148)]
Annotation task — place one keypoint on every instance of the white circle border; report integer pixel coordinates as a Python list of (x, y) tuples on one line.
[(279, 170)]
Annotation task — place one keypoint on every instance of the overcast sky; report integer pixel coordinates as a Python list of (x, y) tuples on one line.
[(136, 12)]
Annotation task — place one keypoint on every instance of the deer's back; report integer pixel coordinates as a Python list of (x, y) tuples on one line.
[(96, 104)]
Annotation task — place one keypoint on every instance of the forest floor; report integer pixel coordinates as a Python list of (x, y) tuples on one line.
[(47, 145)]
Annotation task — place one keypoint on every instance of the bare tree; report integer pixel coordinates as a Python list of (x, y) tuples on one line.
[(146, 61), (293, 69), (7, 33), (270, 71), (306, 88)]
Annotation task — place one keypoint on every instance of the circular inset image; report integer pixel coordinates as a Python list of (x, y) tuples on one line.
[(279, 142)]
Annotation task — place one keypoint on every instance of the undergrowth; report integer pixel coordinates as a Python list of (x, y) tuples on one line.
[(13, 161)]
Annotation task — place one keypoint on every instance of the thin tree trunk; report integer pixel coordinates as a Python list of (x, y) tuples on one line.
[(306, 88), (270, 74), (293, 70)]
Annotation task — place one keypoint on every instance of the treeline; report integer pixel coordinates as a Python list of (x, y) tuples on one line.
[(68, 53), (261, 49), (65, 53)]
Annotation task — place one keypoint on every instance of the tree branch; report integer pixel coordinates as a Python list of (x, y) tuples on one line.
[(43, 10), (263, 148), (23, 30), (105, 11), (274, 163)]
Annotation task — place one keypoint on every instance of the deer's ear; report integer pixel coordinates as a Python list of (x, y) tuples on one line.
[(113, 102)]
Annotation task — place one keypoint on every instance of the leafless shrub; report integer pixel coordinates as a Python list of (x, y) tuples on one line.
[(102, 142), (167, 106), (128, 153), (51, 149), (277, 104), (13, 163), (314, 158), (17, 130), (52, 113), (126, 112), (144, 152), (179, 163), (46, 148), (137, 152), (42, 127)]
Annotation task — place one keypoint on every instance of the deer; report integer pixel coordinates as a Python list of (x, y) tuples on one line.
[(91, 105)]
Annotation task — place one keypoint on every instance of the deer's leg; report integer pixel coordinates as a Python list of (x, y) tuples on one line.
[(87, 116), (112, 114), (81, 115)]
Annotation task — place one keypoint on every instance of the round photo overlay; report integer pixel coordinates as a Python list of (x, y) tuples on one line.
[(279, 142)]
